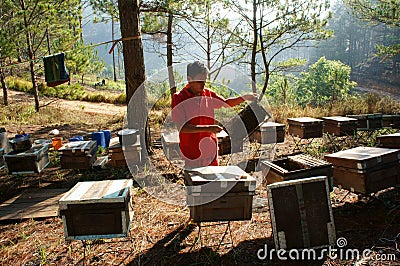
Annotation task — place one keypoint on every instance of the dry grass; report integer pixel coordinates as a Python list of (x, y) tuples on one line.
[(367, 104), (160, 233)]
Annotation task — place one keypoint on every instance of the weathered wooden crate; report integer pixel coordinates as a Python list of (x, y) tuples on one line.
[(305, 127), (21, 144), (340, 125), (78, 154), (2, 164), (368, 121), (365, 169), (296, 167), (4, 143), (124, 155), (391, 121), (4, 146), (389, 141), (224, 143), (31, 161), (269, 132), (97, 209), (233, 206), (301, 214), (219, 193), (367, 181), (128, 136), (245, 123), (170, 144)]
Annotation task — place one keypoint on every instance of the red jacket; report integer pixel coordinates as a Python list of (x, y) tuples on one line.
[(197, 149)]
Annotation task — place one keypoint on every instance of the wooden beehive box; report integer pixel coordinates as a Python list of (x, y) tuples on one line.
[(219, 193), (368, 121), (4, 143), (296, 167), (269, 132), (224, 143), (301, 214), (170, 144), (391, 121), (340, 125), (78, 154), (389, 141), (2, 164), (97, 209), (245, 123), (305, 127), (31, 161), (124, 155), (365, 169)]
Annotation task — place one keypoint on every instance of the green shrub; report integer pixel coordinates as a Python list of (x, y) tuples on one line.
[(18, 84), (325, 82)]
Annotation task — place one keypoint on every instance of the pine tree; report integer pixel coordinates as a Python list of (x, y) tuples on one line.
[(43, 27)]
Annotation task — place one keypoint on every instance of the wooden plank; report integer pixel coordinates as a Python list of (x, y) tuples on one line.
[(38, 203), (28, 195), (100, 162)]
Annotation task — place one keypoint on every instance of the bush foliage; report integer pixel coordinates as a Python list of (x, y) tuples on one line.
[(325, 82), (70, 92)]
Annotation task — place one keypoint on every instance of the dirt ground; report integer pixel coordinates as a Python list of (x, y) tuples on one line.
[(87, 107), (161, 234)]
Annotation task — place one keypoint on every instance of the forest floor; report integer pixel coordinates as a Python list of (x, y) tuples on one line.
[(160, 232)]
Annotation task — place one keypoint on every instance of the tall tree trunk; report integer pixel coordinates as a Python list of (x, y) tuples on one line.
[(171, 78), (208, 36), (113, 51), (32, 70), (134, 68), (254, 48), (265, 61), (31, 59), (4, 86)]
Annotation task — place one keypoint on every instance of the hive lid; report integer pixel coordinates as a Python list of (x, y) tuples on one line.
[(220, 173), (271, 124), (127, 132), (389, 135), (229, 169), (77, 145), (305, 119), (363, 157), (98, 191), (216, 179), (35, 150), (339, 119), (298, 182)]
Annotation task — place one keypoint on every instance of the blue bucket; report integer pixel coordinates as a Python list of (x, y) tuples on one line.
[(76, 138), (107, 136), (99, 138)]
